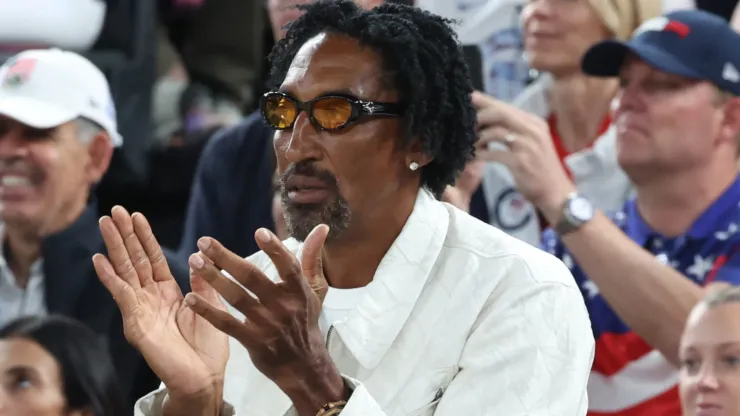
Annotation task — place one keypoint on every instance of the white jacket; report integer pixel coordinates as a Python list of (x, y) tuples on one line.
[(460, 319)]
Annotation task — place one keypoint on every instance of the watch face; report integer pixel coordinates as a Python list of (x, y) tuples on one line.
[(581, 209)]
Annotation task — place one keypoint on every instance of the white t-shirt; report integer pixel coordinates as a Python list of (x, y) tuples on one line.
[(495, 26), (338, 303), (65, 24)]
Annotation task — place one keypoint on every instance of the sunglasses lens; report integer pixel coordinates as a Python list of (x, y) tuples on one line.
[(279, 111), (332, 112)]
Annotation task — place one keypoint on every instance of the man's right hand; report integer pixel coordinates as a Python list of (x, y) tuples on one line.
[(185, 351)]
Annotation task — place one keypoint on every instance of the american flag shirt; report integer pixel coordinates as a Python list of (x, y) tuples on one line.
[(629, 377)]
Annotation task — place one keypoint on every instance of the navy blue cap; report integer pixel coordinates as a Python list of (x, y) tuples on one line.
[(689, 43)]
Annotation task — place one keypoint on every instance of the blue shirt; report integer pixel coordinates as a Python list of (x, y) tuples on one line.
[(708, 252)]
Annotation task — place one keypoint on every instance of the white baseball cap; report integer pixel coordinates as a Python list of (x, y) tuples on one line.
[(44, 88)]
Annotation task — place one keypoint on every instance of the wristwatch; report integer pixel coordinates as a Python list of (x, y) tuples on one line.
[(576, 211)]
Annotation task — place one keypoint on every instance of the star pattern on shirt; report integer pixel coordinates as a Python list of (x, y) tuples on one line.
[(663, 259), (590, 288), (701, 267), (726, 234), (568, 261)]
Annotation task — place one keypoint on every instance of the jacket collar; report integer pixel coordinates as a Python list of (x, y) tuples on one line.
[(372, 327)]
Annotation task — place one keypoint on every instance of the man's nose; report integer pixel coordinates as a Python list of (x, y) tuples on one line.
[(302, 142), (12, 145)]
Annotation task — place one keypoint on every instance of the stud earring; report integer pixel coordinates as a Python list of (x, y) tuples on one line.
[(413, 166)]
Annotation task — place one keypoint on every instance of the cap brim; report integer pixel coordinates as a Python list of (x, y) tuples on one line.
[(35, 113), (42, 115), (605, 59)]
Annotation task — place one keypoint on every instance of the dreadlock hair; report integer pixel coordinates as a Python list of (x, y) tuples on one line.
[(423, 61)]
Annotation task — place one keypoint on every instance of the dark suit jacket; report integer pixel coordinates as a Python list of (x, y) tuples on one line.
[(73, 290), (232, 192)]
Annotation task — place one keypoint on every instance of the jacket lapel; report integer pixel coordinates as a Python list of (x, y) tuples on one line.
[(67, 262)]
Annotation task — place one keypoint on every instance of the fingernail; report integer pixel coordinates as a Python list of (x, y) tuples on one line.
[(189, 301), (263, 235), (196, 261), (204, 243)]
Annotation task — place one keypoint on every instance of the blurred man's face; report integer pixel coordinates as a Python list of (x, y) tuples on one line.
[(557, 33), (668, 123), (45, 174)]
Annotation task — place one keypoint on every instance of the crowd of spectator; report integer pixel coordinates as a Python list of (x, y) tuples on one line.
[(607, 135)]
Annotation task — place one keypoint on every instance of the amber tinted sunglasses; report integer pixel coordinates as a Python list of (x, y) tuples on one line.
[(328, 112)]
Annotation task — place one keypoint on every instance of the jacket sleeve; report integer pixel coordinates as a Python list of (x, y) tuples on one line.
[(151, 404)]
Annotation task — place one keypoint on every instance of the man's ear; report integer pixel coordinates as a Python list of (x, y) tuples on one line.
[(100, 152)]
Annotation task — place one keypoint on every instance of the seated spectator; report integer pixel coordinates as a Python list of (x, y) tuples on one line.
[(575, 105), (710, 356), (677, 121), (232, 194), (68, 24), (432, 310), (57, 133), (56, 366)]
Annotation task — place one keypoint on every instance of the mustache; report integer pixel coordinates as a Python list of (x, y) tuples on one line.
[(306, 168)]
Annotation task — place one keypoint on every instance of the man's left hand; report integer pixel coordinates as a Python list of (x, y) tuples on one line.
[(528, 152), (280, 330)]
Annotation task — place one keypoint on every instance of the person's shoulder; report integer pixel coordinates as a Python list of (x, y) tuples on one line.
[(248, 133), (498, 253)]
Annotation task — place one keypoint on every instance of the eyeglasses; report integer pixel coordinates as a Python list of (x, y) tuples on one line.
[(328, 112)]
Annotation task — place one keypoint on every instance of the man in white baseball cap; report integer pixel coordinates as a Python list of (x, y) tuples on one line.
[(57, 135), (46, 88)]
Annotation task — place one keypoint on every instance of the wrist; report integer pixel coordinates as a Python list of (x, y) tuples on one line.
[(324, 384), (207, 403), (552, 206)]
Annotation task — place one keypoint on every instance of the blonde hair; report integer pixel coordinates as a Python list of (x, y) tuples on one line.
[(622, 17), (730, 294)]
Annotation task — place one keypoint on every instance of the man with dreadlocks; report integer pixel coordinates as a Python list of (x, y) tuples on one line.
[(384, 301)]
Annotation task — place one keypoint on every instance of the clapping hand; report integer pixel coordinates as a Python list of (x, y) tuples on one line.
[(186, 352), (280, 330)]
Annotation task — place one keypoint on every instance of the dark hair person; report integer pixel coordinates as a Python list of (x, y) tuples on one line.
[(56, 366)]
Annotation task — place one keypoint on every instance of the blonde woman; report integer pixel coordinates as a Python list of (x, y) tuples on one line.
[(710, 356), (556, 35)]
